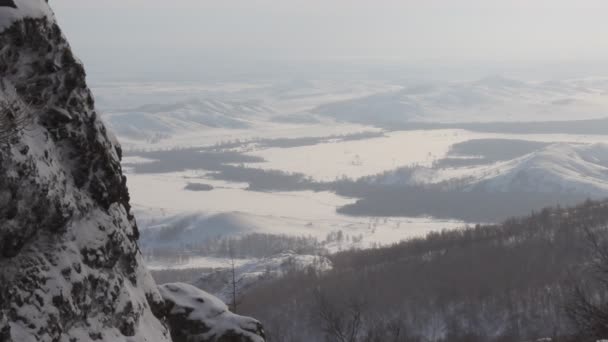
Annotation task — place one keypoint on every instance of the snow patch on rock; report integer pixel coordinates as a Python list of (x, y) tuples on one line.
[(34, 9), (197, 316)]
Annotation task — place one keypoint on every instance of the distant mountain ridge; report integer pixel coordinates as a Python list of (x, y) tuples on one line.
[(151, 120), (491, 99), (551, 168), (556, 168)]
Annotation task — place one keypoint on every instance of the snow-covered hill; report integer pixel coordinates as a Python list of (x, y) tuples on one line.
[(144, 113), (556, 168), (492, 99), (155, 121), (192, 229)]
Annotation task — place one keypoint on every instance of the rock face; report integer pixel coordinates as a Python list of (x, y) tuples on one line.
[(196, 316), (7, 3), (70, 267)]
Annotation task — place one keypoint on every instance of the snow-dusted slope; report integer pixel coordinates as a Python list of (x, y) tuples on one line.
[(254, 272), (70, 267), (556, 168), (492, 99), (149, 121), (192, 229)]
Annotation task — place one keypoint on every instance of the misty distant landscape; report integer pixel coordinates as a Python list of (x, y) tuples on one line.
[(339, 175), (306, 171)]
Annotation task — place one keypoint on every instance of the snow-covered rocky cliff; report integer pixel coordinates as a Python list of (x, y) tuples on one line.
[(70, 267)]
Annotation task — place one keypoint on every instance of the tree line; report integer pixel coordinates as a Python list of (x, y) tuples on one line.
[(522, 280)]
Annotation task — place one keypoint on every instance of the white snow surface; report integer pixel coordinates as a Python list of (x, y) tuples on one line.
[(25, 9), (160, 201), (359, 158), (188, 262), (200, 227)]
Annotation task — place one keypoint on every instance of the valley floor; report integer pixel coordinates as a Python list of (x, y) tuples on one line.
[(284, 164)]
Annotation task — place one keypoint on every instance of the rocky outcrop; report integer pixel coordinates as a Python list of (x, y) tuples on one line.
[(70, 267), (7, 3), (196, 316)]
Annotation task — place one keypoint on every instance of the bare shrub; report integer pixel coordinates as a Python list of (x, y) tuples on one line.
[(15, 116)]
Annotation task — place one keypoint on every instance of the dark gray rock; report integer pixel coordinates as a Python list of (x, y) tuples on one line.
[(7, 3), (196, 316)]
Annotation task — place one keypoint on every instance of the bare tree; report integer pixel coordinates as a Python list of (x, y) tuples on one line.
[(340, 325), (589, 311), (233, 281), (15, 116)]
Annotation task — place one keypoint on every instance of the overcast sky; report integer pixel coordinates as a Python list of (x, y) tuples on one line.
[(181, 33)]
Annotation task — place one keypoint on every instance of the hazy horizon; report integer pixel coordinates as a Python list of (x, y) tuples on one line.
[(190, 39)]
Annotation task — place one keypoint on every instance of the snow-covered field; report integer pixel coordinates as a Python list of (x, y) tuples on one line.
[(162, 198), (230, 210), (167, 191), (355, 159), (188, 262)]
